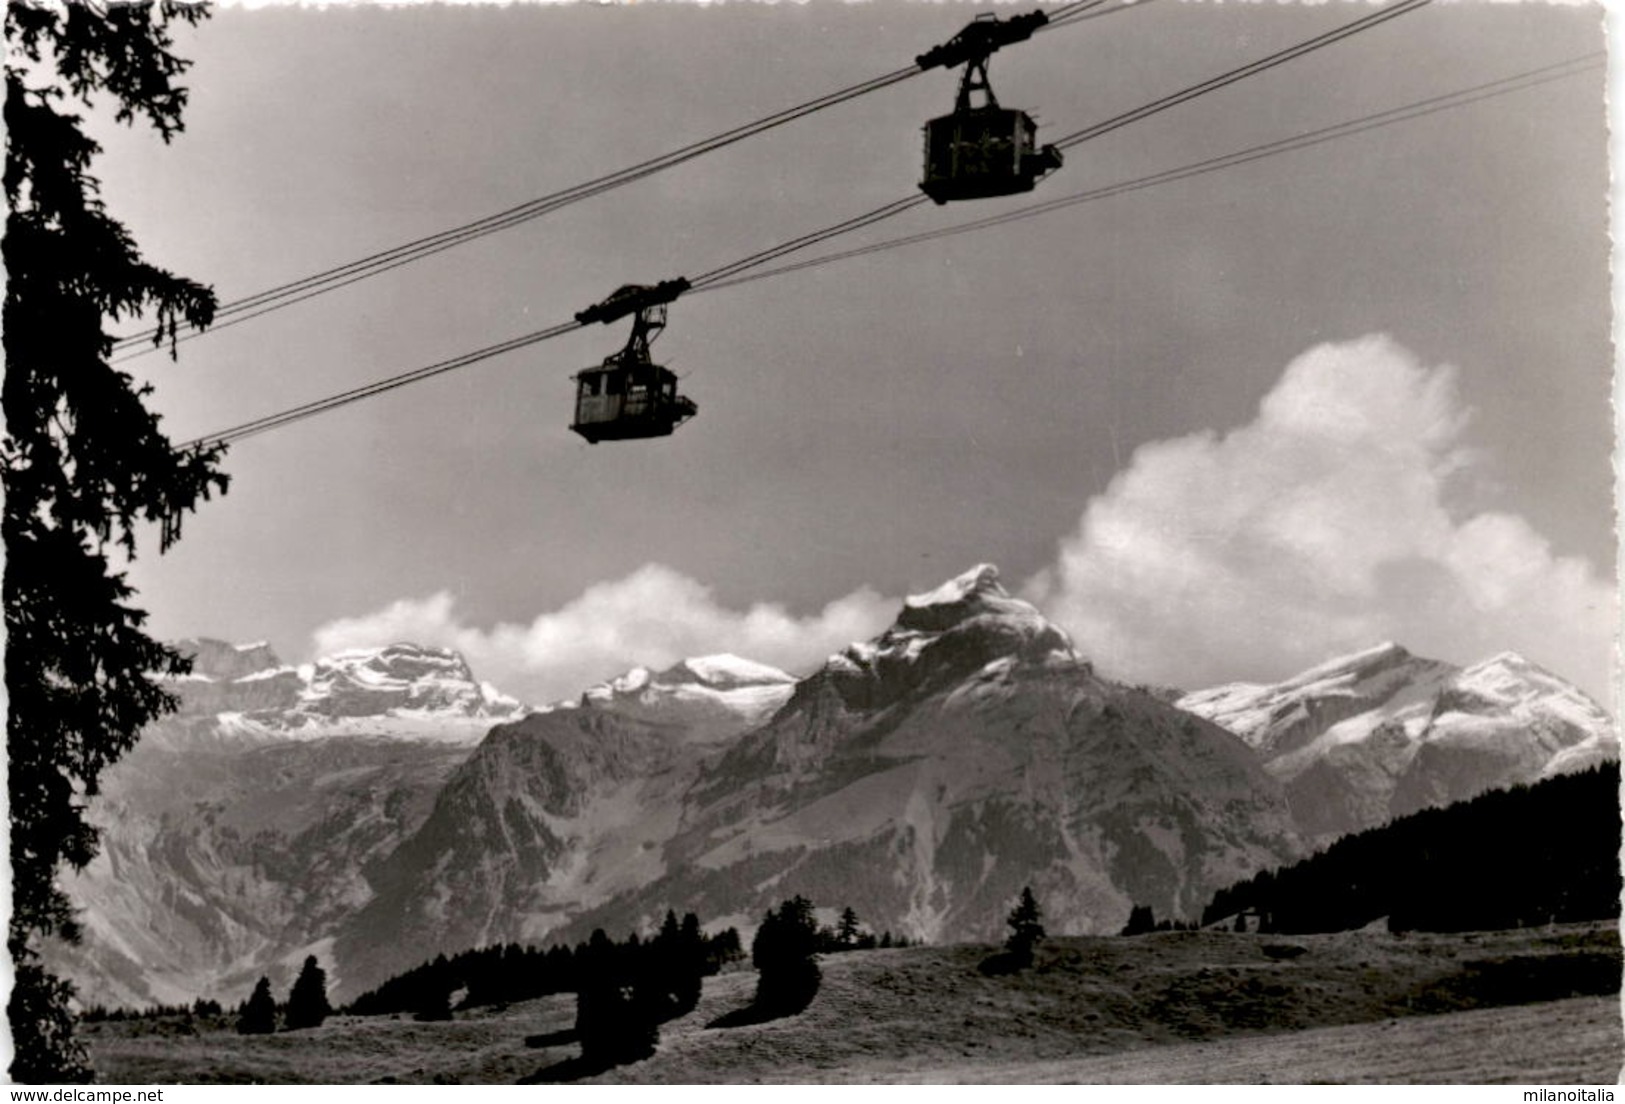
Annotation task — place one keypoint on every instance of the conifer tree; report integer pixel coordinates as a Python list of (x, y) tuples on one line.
[(846, 930), (84, 465), (1140, 920), (259, 1014), (615, 1020), (433, 996), (307, 1000), (688, 961), (784, 954), (1025, 929)]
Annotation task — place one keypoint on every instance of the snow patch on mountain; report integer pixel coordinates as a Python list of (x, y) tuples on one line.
[(1381, 733), (242, 694), (710, 698)]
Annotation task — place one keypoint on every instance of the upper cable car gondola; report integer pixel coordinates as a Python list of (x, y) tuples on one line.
[(629, 396), (983, 151)]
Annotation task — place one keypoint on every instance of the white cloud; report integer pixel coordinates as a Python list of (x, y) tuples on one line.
[(1329, 523), (654, 617), (1333, 521)]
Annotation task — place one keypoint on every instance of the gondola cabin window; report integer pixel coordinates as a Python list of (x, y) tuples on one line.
[(620, 402), (983, 152)]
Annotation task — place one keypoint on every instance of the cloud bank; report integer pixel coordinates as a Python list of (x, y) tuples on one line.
[(1334, 520), (653, 617)]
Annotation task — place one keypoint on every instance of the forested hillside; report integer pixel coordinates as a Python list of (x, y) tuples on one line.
[(1510, 858)]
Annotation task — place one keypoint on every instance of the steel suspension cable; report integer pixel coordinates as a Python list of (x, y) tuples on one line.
[(1213, 84), (1326, 38), (320, 283), (330, 279), (735, 269), (378, 387), (1418, 109)]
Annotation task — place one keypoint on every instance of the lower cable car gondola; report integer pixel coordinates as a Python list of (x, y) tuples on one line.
[(629, 396), (983, 151)]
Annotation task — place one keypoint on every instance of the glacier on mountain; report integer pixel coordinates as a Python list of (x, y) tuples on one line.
[(1380, 733)]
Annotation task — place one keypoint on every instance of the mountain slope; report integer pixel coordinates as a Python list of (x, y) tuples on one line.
[(1381, 733), (554, 813), (240, 829), (923, 778)]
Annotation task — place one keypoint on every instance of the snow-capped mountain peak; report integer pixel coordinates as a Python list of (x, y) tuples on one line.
[(726, 670), (981, 579), (1382, 732), (711, 697), (975, 594), (243, 693), (968, 624)]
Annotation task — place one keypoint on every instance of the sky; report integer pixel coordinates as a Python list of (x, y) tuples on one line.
[(1218, 429)]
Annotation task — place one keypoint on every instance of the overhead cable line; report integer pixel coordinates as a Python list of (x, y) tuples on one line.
[(378, 387), (1280, 57), (283, 295), (731, 272), (885, 211), (320, 283), (735, 269), (1418, 109)]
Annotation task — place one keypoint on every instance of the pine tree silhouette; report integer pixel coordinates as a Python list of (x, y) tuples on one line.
[(783, 953), (1025, 929), (307, 1000), (85, 465), (259, 1014), (1140, 920), (846, 930)]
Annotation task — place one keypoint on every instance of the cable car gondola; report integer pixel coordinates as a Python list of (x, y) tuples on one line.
[(984, 151), (628, 396)]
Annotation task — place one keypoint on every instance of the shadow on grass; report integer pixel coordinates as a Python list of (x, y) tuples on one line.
[(757, 1012), (1519, 979), (1004, 963), (552, 1038)]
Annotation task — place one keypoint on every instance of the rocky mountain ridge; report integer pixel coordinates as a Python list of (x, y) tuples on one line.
[(242, 695), (922, 777), (1381, 733), (378, 806)]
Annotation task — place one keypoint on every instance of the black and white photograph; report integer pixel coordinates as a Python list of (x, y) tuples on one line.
[(888, 543)]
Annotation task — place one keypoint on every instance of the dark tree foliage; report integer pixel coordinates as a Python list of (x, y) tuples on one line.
[(258, 1016), (50, 1053), (84, 465), (846, 929), (1140, 920), (783, 953), (1523, 856), (675, 962), (617, 1010), (492, 975), (433, 998), (508, 973), (721, 949), (1025, 929), (307, 1000)]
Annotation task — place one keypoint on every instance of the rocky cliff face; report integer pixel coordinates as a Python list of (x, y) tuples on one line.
[(1381, 733)]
